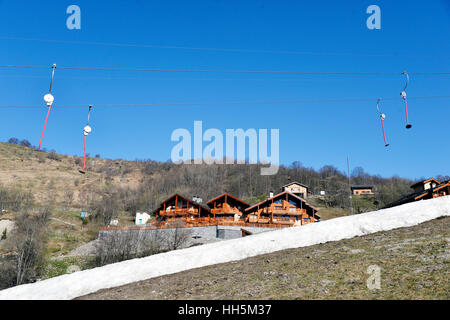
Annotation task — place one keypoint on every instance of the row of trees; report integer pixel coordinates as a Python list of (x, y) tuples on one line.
[(244, 181)]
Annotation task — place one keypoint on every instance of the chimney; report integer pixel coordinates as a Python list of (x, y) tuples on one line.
[(270, 194)]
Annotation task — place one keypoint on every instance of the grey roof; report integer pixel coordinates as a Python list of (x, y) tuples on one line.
[(362, 186)]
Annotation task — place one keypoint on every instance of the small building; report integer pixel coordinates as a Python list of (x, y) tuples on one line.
[(227, 208), (423, 190), (180, 209), (358, 190), (299, 189), (141, 218), (283, 209), (425, 185)]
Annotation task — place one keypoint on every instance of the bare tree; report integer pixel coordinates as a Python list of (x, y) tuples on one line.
[(176, 235), (27, 244)]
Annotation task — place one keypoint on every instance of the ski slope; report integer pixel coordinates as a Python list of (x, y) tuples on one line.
[(84, 282)]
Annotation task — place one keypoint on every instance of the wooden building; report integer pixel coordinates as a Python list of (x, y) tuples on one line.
[(425, 185), (180, 209), (359, 190), (283, 209), (435, 191), (227, 208), (423, 190), (297, 188)]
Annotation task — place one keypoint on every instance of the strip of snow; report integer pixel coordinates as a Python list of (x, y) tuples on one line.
[(80, 283)]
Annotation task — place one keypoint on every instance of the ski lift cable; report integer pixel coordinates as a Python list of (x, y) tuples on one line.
[(232, 50), (300, 101), (222, 71)]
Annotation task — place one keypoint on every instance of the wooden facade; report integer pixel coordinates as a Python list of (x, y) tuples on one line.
[(284, 208), (227, 208), (180, 209)]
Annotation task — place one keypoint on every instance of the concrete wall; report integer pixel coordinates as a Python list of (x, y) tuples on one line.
[(202, 235)]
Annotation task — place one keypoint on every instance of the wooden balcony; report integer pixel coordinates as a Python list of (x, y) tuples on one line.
[(178, 212)]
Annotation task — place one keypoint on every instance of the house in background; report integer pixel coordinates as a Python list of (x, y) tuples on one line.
[(283, 209), (141, 218), (358, 190), (425, 185), (227, 208), (299, 189), (426, 189)]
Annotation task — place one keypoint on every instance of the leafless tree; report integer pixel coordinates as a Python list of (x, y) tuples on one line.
[(176, 235), (27, 245)]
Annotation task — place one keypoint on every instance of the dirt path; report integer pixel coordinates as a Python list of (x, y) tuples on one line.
[(414, 264)]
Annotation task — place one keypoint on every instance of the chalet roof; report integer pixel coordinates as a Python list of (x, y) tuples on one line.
[(276, 197), (195, 204), (244, 204), (295, 182), (362, 186), (424, 181)]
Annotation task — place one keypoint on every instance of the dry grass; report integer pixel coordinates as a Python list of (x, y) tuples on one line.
[(48, 179)]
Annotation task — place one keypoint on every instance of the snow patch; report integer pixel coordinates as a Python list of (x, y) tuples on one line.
[(77, 284)]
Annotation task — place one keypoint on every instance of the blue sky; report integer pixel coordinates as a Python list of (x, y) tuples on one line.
[(414, 36)]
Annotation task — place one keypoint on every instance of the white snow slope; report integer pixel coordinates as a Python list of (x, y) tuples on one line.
[(84, 282)]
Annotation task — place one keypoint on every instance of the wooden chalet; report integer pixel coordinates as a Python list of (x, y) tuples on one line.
[(426, 189), (227, 208), (283, 209), (180, 209), (425, 185)]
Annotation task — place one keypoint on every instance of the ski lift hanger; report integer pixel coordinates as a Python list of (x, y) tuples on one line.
[(382, 117), (403, 95), (48, 98), (86, 131)]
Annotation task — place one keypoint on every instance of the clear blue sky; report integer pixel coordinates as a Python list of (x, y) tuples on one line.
[(414, 36)]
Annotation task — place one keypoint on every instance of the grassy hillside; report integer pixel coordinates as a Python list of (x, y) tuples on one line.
[(414, 264), (53, 177)]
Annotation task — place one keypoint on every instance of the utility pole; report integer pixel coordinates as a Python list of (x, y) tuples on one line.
[(349, 186)]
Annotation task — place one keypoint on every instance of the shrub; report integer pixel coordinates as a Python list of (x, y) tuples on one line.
[(52, 155)]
